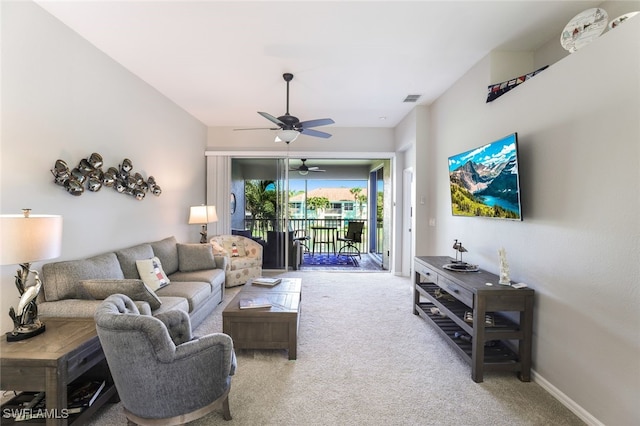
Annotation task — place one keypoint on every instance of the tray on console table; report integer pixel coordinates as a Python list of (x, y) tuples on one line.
[(480, 322)]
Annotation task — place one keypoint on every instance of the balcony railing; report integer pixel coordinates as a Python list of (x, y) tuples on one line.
[(260, 228)]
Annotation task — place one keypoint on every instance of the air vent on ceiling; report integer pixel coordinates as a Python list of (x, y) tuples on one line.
[(412, 98)]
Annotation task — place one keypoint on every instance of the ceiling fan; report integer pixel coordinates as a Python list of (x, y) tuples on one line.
[(289, 126), (303, 169)]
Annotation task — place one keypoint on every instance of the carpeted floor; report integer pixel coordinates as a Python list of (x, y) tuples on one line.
[(365, 359)]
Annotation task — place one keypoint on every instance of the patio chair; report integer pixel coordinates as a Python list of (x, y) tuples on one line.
[(352, 237)]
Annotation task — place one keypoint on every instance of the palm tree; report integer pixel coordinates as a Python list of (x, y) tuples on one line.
[(361, 200), (317, 203), (355, 192), (260, 200)]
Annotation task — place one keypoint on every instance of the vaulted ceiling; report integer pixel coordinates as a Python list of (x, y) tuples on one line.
[(355, 62)]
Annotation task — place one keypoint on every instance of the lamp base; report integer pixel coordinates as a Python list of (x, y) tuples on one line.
[(25, 332)]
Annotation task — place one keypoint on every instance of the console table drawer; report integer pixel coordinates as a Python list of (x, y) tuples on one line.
[(426, 273), (457, 291)]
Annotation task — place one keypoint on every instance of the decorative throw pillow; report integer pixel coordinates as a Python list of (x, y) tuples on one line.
[(195, 257), (151, 273), (134, 289), (234, 249)]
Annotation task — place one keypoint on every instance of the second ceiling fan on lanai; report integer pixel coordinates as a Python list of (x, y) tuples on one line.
[(290, 126), (303, 169)]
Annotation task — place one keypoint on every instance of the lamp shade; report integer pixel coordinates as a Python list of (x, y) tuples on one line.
[(287, 135), (201, 215), (30, 239)]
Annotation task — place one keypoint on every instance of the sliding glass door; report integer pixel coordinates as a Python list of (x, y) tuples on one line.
[(272, 200), (259, 188)]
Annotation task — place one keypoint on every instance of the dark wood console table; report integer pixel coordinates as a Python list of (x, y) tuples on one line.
[(67, 350), (479, 321)]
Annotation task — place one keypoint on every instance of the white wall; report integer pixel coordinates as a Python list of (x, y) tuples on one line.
[(64, 99), (579, 243), (343, 139)]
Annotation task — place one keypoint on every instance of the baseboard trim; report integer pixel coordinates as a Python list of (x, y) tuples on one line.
[(575, 408)]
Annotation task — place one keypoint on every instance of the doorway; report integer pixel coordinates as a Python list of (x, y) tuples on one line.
[(274, 224)]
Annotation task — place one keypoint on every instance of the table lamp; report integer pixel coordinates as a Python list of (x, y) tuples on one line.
[(202, 215), (28, 238)]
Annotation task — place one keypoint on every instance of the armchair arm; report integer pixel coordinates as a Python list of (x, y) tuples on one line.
[(216, 342), (178, 325)]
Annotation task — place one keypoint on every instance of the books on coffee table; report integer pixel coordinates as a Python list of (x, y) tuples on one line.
[(254, 302), (267, 281)]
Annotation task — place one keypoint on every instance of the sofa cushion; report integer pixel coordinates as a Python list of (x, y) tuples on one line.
[(152, 273), (135, 289), (196, 293), (167, 251), (194, 257), (215, 277), (61, 280), (127, 258), (169, 303)]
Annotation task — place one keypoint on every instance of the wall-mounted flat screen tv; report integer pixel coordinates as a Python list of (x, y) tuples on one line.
[(485, 182)]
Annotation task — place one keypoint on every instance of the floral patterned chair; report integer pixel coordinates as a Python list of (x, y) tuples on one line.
[(244, 258)]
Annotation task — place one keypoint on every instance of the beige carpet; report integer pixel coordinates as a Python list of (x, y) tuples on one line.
[(365, 359)]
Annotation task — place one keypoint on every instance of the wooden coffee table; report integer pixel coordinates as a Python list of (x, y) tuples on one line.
[(266, 328), (67, 350)]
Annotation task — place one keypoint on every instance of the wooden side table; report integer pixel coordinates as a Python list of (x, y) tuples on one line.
[(68, 349)]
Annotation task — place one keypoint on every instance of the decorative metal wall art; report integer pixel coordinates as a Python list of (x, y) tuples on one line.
[(89, 171)]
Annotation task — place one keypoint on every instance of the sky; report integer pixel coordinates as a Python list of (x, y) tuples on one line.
[(499, 151)]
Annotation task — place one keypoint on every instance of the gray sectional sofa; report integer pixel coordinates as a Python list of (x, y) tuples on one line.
[(196, 278)]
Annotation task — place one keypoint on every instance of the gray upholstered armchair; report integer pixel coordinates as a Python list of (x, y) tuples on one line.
[(164, 375)]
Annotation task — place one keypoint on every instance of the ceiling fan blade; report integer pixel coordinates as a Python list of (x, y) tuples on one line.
[(271, 118), (316, 133), (317, 170), (316, 123)]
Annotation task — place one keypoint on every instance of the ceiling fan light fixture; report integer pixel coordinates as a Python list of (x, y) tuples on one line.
[(287, 135), (303, 172)]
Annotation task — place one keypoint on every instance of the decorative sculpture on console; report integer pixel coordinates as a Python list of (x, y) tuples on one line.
[(458, 247), (504, 268), (89, 171), (459, 265)]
